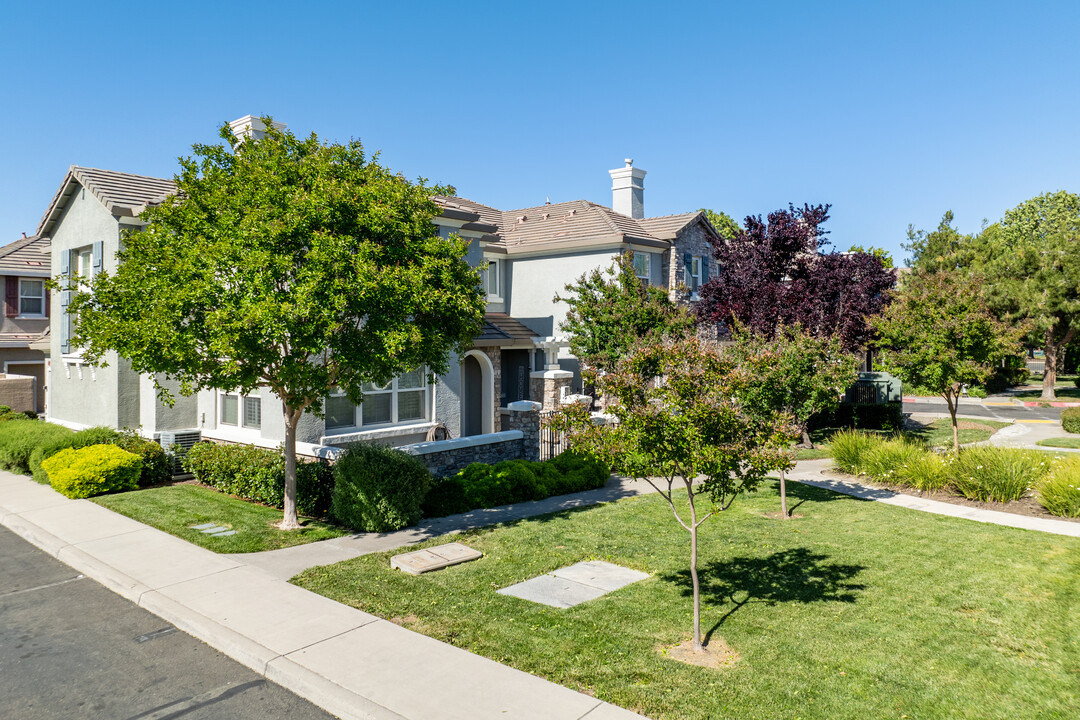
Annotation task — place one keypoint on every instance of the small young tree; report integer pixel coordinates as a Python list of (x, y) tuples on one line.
[(795, 374), (686, 424), (290, 264), (939, 334), (611, 311)]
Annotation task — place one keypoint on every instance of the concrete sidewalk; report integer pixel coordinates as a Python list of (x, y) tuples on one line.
[(350, 663), (815, 472)]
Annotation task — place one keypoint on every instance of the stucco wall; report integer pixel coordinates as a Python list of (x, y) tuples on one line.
[(536, 281)]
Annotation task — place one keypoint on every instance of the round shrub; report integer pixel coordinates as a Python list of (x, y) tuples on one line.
[(84, 438), (1059, 492), (92, 470), (1070, 419), (378, 489), (581, 470), (156, 468)]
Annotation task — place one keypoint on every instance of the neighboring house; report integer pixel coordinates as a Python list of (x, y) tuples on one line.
[(25, 267), (528, 256), (84, 221)]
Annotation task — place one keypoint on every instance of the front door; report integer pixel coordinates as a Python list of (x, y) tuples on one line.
[(472, 397)]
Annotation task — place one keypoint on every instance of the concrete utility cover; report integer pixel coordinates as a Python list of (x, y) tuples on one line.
[(570, 586), (213, 530), (418, 562)]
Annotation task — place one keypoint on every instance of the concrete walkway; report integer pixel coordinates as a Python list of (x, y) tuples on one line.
[(350, 663), (1022, 433), (815, 472), (287, 562)]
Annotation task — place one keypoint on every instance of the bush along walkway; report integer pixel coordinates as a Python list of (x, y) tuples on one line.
[(287, 562), (817, 473)]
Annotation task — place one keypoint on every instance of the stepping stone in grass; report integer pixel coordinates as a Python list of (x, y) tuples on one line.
[(418, 562)]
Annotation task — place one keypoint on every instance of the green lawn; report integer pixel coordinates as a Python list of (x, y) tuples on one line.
[(857, 610), (1061, 442), (175, 508)]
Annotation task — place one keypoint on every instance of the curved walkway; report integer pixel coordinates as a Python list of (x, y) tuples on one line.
[(811, 472)]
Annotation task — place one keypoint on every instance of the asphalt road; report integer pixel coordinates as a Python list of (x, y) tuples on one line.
[(991, 410), (70, 648)]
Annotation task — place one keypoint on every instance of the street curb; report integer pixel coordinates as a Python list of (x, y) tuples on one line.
[(319, 689)]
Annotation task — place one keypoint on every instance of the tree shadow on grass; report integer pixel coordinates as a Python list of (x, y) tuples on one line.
[(798, 575)]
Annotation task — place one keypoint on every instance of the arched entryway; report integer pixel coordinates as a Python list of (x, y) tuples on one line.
[(477, 394)]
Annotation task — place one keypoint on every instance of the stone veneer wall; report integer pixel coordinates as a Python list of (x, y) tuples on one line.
[(522, 441), (695, 241), (495, 354)]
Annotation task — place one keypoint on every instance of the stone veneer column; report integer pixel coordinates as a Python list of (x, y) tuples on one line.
[(525, 416), (546, 387)]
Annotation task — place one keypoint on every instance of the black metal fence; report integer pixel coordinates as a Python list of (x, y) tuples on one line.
[(552, 442)]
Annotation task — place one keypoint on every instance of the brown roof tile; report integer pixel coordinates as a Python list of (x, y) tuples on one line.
[(122, 194), (28, 257)]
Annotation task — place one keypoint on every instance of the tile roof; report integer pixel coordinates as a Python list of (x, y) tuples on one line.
[(501, 329), (28, 257), (122, 194), (667, 227)]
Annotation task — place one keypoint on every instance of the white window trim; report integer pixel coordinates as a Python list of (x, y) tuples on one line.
[(239, 425), (648, 264), (44, 293), (358, 414)]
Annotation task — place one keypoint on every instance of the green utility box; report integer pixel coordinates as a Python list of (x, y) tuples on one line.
[(875, 388)]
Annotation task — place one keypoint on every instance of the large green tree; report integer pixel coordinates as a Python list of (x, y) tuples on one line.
[(681, 425), (611, 311), (290, 264), (1034, 273), (792, 374), (723, 223), (939, 334)]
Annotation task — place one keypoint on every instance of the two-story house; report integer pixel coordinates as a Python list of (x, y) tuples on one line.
[(24, 265), (527, 256)]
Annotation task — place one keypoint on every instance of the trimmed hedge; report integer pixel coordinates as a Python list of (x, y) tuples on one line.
[(1070, 419), (258, 474), (378, 489), (156, 468), (92, 470), (513, 481), (19, 439)]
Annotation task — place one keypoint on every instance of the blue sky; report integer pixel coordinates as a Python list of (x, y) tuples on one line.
[(892, 112)]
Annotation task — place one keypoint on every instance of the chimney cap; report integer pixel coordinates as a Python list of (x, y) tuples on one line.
[(629, 162), (252, 127)]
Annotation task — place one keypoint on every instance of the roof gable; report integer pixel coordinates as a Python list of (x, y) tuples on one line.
[(122, 194)]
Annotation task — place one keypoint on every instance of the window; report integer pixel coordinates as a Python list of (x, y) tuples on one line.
[(492, 279), (229, 411), (83, 264), (642, 264), (252, 412), (404, 399), (32, 297), (692, 274)]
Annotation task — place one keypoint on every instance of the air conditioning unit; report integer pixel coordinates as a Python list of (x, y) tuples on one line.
[(176, 443)]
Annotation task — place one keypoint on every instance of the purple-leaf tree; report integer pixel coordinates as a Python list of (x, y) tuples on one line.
[(775, 273)]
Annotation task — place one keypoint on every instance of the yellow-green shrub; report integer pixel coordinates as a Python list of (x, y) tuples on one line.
[(92, 470)]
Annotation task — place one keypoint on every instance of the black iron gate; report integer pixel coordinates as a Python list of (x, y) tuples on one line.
[(552, 442)]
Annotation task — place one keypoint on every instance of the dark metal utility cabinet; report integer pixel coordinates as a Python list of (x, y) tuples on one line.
[(875, 388)]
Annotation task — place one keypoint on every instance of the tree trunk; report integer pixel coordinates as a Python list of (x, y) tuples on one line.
[(806, 441), (693, 572), (952, 413), (1050, 350), (783, 495), (292, 418)]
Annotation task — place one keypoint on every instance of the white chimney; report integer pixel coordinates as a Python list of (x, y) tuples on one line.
[(251, 127), (628, 190)]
